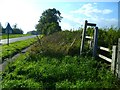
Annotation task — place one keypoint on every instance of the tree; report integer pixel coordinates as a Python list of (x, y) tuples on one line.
[(49, 22), (17, 30)]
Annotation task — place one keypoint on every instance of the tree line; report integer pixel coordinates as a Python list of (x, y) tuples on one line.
[(15, 30)]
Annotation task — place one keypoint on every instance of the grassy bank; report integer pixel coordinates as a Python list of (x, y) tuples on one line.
[(13, 48), (37, 71), (54, 62), (5, 36)]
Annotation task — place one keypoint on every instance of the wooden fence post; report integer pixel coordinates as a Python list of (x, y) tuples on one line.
[(118, 58), (95, 42), (114, 55), (83, 37)]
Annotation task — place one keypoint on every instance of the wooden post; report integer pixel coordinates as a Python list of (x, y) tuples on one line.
[(0, 43), (118, 58), (8, 37), (95, 42), (91, 43), (83, 37), (114, 56)]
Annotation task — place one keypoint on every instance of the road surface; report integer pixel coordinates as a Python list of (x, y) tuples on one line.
[(11, 40)]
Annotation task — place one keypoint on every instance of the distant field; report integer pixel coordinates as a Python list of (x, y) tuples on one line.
[(4, 36)]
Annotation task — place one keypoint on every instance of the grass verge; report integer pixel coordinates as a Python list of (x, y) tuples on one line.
[(13, 48), (39, 71), (4, 36)]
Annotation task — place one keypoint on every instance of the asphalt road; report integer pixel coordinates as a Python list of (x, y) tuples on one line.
[(11, 40)]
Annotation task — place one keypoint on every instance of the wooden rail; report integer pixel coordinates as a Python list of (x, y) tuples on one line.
[(88, 37), (105, 49), (105, 58), (113, 60)]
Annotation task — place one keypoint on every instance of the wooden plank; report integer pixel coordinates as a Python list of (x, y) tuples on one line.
[(88, 37), (83, 37), (91, 24), (90, 42), (73, 42), (118, 58), (114, 56), (95, 42), (105, 58), (105, 49)]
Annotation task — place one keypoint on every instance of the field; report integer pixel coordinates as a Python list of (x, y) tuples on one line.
[(5, 36), (54, 62)]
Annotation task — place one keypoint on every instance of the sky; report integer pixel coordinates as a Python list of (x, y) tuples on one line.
[(26, 13)]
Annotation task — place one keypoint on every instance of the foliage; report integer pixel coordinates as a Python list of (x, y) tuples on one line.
[(60, 43), (62, 72), (49, 22), (15, 30), (54, 63), (106, 37)]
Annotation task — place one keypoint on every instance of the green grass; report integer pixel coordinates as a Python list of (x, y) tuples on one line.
[(5, 36), (54, 63), (13, 48), (39, 71)]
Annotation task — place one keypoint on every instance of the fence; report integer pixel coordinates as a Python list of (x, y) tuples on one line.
[(114, 60)]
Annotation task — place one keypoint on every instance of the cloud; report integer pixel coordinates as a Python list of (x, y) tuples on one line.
[(101, 22), (71, 18), (65, 26), (107, 11), (89, 10)]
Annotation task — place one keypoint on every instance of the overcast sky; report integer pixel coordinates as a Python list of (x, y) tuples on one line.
[(26, 13)]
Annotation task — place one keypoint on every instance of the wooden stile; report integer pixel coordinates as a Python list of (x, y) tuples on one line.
[(83, 38), (105, 58), (105, 49), (95, 42), (115, 61), (88, 37), (118, 58), (114, 56)]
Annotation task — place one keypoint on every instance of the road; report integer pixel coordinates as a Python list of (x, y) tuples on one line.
[(11, 40)]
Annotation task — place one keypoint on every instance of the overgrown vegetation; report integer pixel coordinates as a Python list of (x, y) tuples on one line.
[(106, 37), (54, 62), (39, 71)]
